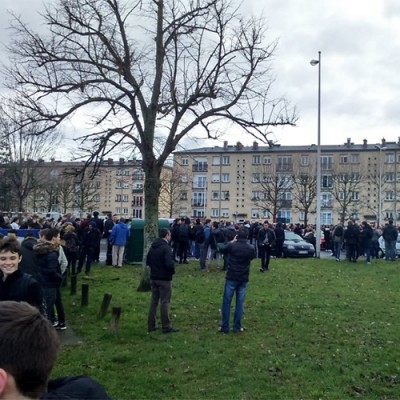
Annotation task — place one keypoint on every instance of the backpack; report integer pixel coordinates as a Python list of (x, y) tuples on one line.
[(71, 245)]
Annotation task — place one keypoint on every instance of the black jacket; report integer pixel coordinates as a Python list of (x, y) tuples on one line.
[(390, 232), (21, 287), (240, 255), (159, 259), (75, 387), (46, 256)]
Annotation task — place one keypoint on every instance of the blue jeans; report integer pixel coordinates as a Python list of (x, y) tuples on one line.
[(337, 249), (390, 249), (230, 288)]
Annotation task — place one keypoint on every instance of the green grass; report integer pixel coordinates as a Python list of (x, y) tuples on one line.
[(316, 329)]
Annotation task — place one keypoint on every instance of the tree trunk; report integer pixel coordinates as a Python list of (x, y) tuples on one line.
[(151, 194)]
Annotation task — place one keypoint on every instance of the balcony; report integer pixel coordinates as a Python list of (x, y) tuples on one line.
[(200, 167), (284, 167), (199, 185), (198, 203)]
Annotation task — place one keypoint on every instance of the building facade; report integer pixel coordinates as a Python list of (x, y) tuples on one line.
[(238, 183), (115, 187)]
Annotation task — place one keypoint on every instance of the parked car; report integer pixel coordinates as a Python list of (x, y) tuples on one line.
[(382, 246), (295, 246)]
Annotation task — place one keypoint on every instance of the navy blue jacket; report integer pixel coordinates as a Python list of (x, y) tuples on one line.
[(159, 259), (240, 254)]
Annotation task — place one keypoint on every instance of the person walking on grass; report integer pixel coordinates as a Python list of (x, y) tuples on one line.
[(240, 253), (162, 268), (265, 239), (390, 234), (119, 236)]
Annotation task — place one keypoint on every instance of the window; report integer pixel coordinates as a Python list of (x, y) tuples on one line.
[(200, 166), (215, 177), (389, 195), (344, 158), (198, 199), (216, 160), (267, 178), (355, 158), (255, 177), (326, 162), (389, 158), (215, 195), (256, 160), (284, 163), (184, 161), (304, 160), (183, 196), (215, 212), (226, 160), (138, 186), (326, 200), (326, 218), (225, 212), (138, 176), (326, 181), (284, 196), (200, 182), (255, 195), (302, 215), (389, 176), (284, 216), (225, 177), (254, 213), (225, 195), (355, 177), (184, 178), (355, 196), (267, 160)]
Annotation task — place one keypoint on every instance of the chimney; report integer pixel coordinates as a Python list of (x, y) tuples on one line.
[(255, 146), (239, 146), (225, 144), (348, 143), (365, 142), (383, 142), (110, 161), (121, 160)]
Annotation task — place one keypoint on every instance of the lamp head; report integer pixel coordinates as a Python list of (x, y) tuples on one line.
[(314, 62)]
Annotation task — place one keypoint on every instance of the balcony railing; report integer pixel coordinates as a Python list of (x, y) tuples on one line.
[(199, 167), (198, 203)]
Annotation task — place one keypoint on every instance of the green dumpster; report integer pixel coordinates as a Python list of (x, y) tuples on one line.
[(135, 244)]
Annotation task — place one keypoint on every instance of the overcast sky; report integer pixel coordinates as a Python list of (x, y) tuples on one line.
[(360, 45)]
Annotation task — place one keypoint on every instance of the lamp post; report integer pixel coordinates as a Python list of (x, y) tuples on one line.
[(378, 219), (318, 211)]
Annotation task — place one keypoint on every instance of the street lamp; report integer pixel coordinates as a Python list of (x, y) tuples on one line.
[(378, 219), (318, 211)]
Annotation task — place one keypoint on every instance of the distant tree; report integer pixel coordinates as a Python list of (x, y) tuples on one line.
[(304, 190), (185, 68), (272, 190), (346, 185), (24, 147), (174, 183)]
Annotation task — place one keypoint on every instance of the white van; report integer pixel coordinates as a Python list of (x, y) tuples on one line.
[(53, 216)]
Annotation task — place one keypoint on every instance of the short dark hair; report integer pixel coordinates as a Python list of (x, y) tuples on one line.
[(243, 233), (28, 347), (10, 244), (164, 232), (51, 233)]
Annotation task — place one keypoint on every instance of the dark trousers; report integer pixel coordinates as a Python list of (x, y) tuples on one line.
[(86, 254), (109, 253), (183, 251), (161, 292), (59, 308), (72, 259), (264, 252), (49, 296), (278, 248)]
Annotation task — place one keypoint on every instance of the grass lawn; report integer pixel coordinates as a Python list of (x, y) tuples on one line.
[(316, 329)]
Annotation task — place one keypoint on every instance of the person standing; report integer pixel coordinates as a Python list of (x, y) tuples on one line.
[(337, 239), (119, 236), (46, 255), (205, 244), (108, 225), (390, 234), (365, 241), (280, 239), (265, 239), (351, 236), (90, 240), (100, 226), (162, 268), (240, 253)]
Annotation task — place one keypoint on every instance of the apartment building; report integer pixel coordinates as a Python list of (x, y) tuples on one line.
[(116, 186), (238, 183)]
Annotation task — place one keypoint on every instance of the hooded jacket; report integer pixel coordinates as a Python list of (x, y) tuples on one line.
[(120, 234), (46, 256), (159, 259)]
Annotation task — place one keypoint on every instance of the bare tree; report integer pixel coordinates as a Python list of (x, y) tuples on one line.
[(272, 190), (24, 147), (345, 189), (148, 73), (65, 188), (305, 191), (173, 187)]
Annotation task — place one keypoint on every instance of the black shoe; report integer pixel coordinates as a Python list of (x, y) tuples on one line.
[(151, 330), (221, 330), (262, 270), (170, 330), (60, 327)]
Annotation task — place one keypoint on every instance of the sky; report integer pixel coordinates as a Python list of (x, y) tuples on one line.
[(359, 42)]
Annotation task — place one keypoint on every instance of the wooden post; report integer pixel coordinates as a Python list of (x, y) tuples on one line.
[(104, 305), (74, 281), (85, 294), (116, 314)]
